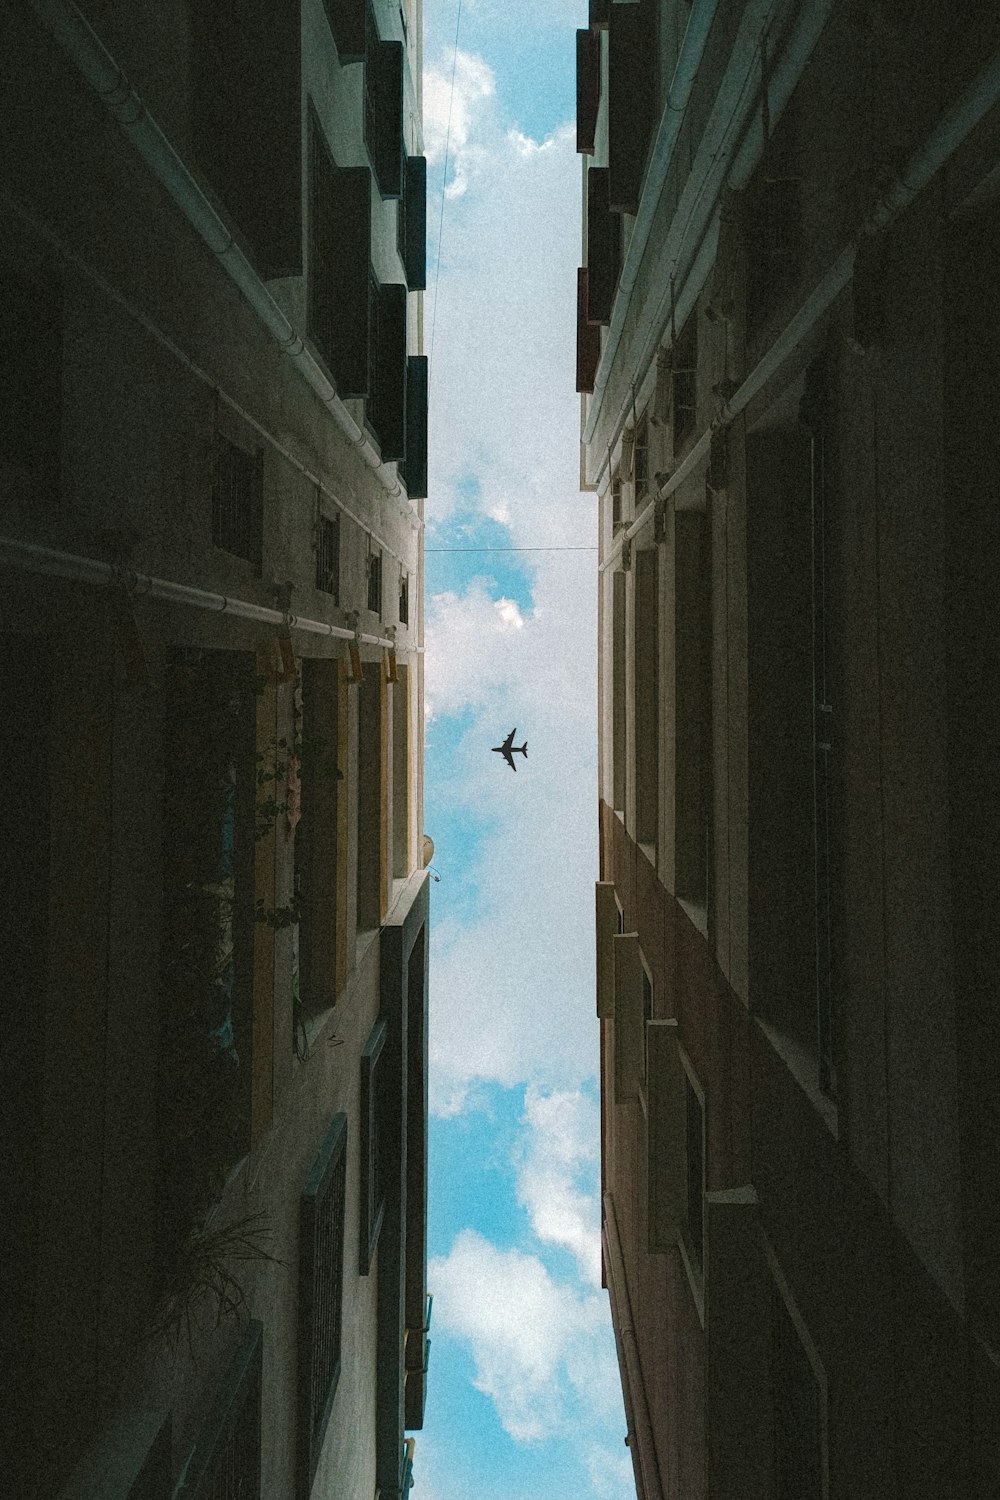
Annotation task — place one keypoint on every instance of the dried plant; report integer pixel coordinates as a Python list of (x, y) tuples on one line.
[(204, 1271)]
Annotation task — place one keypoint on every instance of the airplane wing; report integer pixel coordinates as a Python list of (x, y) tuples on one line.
[(509, 741), (506, 753)]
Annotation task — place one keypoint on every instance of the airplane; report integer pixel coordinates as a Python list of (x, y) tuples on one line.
[(508, 749)]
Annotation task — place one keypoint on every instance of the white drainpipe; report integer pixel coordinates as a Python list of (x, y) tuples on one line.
[(48, 560), (946, 137), (86, 50)]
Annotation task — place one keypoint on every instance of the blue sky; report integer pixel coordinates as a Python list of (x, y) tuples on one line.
[(523, 1394)]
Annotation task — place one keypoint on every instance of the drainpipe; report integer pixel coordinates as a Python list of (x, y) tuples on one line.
[(951, 130), (640, 1427), (88, 53), (36, 559)]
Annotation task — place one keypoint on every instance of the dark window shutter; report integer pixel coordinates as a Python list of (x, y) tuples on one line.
[(339, 241), (387, 412), (246, 86), (588, 337), (600, 14), (631, 100), (413, 223), (414, 474), (604, 238), (588, 88), (384, 113), (347, 22)]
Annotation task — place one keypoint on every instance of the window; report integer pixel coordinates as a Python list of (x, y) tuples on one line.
[(695, 1144), (604, 247), (640, 459), (374, 578), (328, 556), (372, 1195), (315, 850), (321, 1289), (404, 596), (225, 1464), (646, 695), (685, 383), (774, 220), (616, 500), (238, 501), (413, 470), (207, 955), (246, 125), (339, 270), (797, 1410), (30, 384)]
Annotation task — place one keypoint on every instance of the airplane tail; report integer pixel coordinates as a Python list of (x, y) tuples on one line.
[(524, 748)]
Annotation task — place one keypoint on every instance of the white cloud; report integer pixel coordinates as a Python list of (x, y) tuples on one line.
[(474, 84), (534, 1342), (557, 1173)]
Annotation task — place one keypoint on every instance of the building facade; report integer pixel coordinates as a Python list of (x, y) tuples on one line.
[(212, 469), (787, 358)]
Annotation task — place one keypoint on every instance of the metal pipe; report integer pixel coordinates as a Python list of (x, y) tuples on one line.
[(49, 560), (647, 1471), (88, 53), (949, 133)]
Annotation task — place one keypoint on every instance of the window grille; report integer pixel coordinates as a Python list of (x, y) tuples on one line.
[(321, 1288), (372, 1161), (328, 556), (413, 471), (640, 459), (375, 579), (238, 501), (411, 223), (404, 597), (225, 1464)]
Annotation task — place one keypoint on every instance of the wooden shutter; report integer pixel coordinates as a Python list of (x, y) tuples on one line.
[(588, 88), (628, 1019), (413, 213), (372, 1185), (607, 927), (603, 247), (321, 1291), (384, 134), (631, 100), (347, 22), (388, 415), (414, 474), (226, 1458), (339, 241), (588, 337)]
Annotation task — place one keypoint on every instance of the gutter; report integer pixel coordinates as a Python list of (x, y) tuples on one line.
[(35, 559), (89, 55), (946, 137)]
